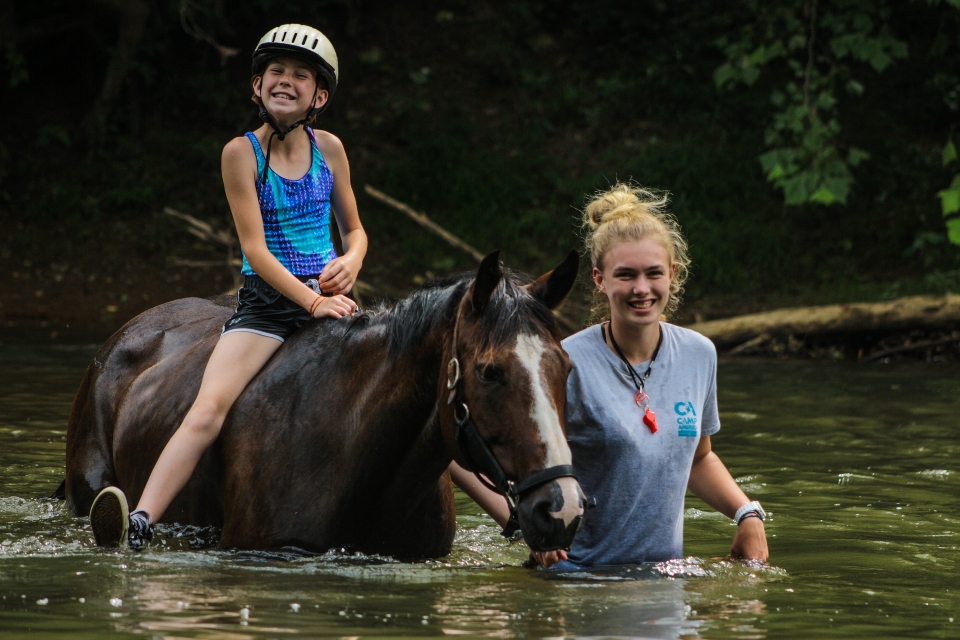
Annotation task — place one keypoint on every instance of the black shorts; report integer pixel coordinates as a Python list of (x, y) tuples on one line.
[(263, 310)]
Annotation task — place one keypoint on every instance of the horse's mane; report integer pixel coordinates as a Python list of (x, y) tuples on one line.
[(407, 322), (511, 310)]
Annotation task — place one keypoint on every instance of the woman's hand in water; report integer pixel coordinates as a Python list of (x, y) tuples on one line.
[(334, 307), (750, 542), (340, 274), (549, 558)]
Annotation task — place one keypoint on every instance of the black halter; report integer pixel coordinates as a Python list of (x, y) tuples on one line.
[(478, 455)]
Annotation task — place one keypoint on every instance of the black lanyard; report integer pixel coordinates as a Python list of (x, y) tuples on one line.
[(638, 379)]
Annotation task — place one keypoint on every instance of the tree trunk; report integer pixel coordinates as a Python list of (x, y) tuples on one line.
[(930, 313)]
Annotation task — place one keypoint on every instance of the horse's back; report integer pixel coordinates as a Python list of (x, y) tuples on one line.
[(134, 394)]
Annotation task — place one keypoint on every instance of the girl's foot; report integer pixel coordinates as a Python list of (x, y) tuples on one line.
[(109, 517), (139, 530), (114, 526)]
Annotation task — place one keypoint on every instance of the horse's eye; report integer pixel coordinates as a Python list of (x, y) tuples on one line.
[(490, 373)]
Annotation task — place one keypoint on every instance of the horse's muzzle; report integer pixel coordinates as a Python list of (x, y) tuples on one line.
[(552, 514)]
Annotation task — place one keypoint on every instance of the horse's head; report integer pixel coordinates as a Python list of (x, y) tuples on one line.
[(504, 398)]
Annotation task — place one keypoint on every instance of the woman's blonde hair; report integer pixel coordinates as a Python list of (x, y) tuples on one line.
[(627, 212)]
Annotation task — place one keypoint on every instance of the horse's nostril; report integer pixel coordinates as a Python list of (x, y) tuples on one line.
[(552, 515)]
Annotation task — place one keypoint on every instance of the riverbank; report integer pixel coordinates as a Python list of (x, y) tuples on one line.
[(64, 304)]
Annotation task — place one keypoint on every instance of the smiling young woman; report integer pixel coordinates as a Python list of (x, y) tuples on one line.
[(641, 400)]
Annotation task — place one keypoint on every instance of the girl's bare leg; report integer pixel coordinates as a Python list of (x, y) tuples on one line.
[(236, 359)]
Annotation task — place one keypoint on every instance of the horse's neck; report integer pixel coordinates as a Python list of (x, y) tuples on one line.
[(418, 472), (420, 365)]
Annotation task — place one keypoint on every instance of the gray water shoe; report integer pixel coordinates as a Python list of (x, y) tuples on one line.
[(114, 526)]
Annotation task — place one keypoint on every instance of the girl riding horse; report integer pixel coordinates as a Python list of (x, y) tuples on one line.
[(281, 193), (343, 440)]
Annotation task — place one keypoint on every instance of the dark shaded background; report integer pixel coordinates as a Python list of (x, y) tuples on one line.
[(496, 118)]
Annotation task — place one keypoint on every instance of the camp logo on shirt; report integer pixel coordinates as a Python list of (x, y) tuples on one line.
[(686, 419)]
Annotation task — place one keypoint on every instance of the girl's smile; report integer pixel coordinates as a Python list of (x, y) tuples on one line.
[(288, 88)]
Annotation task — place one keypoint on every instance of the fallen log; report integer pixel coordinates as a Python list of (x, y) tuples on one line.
[(929, 313)]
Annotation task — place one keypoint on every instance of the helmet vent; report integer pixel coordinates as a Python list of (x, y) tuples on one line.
[(274, 37), (283, 38), (304, 41), (316, 41)]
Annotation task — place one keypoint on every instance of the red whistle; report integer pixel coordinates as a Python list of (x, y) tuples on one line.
[(650, 419)]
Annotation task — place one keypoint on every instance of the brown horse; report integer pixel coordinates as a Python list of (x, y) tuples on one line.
[(344, 438)]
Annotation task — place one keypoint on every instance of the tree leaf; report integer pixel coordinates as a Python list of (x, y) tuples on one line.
[(856, 156), (949, 152), (796, 190), (953, 230), (949, 201), (823, 196), (724, 75)]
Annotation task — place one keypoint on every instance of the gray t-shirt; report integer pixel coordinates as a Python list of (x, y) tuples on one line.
[(639, 478)]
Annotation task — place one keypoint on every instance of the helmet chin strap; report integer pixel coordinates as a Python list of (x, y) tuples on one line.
[(280, 134)]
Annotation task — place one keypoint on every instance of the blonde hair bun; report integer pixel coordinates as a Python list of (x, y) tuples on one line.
[(622, 201), (628, 212)]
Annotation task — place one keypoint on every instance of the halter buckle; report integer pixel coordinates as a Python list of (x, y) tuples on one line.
[(466, 412), (453, 373)]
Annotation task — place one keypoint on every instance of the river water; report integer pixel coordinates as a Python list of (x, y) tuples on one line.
[(857, 465)]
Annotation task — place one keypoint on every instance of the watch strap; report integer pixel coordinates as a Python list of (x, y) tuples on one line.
[(750, 509)]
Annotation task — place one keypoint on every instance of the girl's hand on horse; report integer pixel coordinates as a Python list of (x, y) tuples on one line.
[(340, 274), (334, 307)]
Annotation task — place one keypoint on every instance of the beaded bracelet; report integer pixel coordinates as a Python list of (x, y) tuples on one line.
[(315, 304)]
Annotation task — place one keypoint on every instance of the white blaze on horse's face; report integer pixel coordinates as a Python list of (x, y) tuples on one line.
[(529, 352)]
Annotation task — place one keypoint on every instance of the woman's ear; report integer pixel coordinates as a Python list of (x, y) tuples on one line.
[(257, 82), (597, 276), (322, 96)]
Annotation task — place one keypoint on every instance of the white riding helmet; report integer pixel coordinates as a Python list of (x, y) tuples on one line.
[(303, 43)]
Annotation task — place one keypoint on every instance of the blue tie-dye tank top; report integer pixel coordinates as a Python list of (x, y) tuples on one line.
[(296, 215)]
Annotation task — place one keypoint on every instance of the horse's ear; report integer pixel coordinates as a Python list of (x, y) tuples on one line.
[(488, 277), (552, 287)]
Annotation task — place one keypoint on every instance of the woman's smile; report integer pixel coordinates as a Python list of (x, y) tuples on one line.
[(636, 277)]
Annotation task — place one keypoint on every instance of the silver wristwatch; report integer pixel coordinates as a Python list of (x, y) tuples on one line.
[(750, 509)]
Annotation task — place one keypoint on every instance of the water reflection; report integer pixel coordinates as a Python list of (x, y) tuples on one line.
[(861, 481)]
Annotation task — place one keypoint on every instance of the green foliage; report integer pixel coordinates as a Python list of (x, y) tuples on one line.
[(812, 44), (950, 197)]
